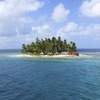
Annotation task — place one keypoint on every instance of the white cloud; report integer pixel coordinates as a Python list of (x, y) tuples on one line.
[(4, 40), (13, 13), (26, 20), (43, 17), (16, 7), (42, 31), (90, 8), (73, 29), (70, 27), (60, 13), (24, 29)]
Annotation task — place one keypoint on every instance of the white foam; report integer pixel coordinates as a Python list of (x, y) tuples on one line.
[(85, 56), (19, 55)]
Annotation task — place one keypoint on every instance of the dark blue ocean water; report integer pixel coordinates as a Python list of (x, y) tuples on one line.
[(49, 79), (88, 50)]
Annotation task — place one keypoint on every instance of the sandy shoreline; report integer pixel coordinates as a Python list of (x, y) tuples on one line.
[(49, 56), (43, 56)]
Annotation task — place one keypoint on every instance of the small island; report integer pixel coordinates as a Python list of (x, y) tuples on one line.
[(50, 47)]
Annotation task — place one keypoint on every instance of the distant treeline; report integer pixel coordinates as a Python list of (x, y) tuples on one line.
[(47, 46)]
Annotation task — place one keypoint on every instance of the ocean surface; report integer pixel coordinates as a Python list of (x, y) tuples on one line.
[(23, 78)]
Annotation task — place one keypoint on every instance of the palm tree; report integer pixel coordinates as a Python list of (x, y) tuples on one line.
[(49, 46)]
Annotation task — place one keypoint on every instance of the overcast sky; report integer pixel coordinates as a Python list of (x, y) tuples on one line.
[(21, 21)]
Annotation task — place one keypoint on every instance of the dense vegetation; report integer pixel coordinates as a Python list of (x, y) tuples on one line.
[(47, 46)]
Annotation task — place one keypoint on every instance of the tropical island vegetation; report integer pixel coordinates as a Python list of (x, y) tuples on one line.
[(53, 46)]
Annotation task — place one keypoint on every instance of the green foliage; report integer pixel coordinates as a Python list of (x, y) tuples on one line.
[(49, 46)]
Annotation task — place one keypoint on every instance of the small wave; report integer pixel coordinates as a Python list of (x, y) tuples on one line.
[(85, 56), (18, 55)]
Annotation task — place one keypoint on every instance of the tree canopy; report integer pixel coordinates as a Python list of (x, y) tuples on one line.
[(53, 45)]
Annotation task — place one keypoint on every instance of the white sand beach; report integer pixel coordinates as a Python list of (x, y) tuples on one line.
[(43, 56), (81, 55)]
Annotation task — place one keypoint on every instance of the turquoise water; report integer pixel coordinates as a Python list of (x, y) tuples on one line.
[(49, 79)]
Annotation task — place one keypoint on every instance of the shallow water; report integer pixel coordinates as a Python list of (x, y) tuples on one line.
[(49, 79)]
